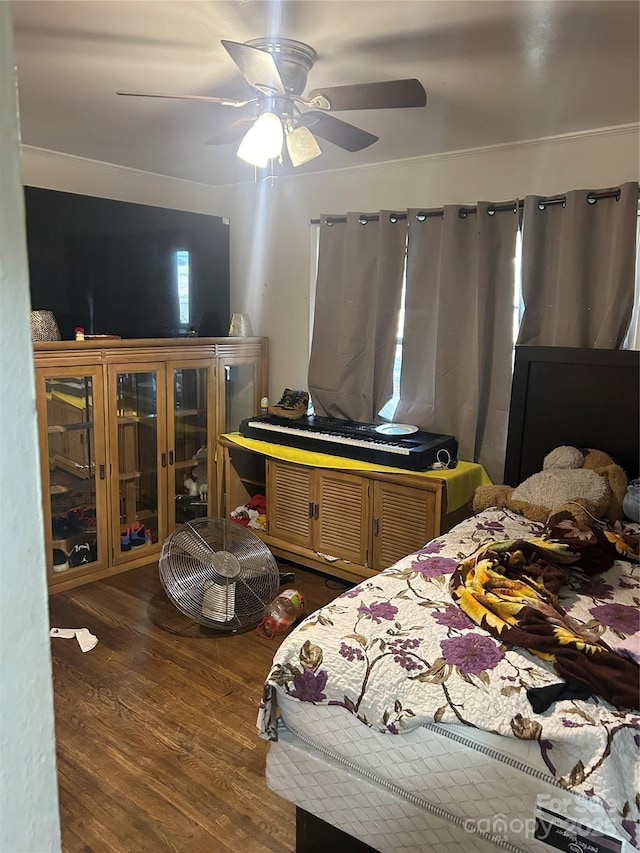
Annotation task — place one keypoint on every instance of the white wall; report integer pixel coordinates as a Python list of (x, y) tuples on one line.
[(270, 234), (29, 820)]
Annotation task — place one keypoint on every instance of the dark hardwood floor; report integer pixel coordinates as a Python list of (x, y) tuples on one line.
[(156, 738)]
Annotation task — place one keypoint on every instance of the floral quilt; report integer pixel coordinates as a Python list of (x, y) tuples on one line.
[(397, 652)]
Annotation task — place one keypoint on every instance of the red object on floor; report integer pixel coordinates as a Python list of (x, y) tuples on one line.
[(258, 502)]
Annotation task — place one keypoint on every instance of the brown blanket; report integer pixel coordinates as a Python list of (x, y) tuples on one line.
[(510, 589)]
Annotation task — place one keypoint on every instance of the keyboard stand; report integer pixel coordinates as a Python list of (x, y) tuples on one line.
[(365, 518)]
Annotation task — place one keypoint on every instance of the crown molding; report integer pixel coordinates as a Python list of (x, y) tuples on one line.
[(439, 157), (139, 174), (112, 168)]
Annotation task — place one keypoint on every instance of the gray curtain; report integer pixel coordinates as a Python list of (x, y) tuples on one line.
[(578, 264), (358, 297), (457, 349)]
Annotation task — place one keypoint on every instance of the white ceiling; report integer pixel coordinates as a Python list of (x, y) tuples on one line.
[(495, 71)]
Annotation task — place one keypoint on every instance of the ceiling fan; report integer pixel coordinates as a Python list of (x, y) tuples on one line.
[(277, 68)]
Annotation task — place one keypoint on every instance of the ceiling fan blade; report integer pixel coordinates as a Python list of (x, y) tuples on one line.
[(233, 133), (335, 130), (226, 102), (386, 95), (257, 67)]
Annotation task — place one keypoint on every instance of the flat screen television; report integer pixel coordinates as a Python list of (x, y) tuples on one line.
[(132, 270)]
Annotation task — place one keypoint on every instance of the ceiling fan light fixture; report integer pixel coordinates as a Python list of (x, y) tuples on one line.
[(302, 145), (263, 141)]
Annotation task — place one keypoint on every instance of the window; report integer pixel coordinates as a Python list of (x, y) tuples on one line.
[(182, 278), (632, 341), (388, 410)]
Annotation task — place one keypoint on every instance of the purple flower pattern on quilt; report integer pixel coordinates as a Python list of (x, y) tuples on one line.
[(473, 653), (453, 617), (631, 828), (432, 547), (434, 567), (402, 654), (494, 527), (620, 617), (595, 588), (350, 593), (308, 685), (350, 652), (378, 610)]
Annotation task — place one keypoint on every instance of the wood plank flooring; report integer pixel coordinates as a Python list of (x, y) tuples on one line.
[(155, 727)]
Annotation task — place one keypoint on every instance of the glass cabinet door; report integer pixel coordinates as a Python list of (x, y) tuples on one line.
[(189, 399), (241, 391), (74, 470), (137, 438)]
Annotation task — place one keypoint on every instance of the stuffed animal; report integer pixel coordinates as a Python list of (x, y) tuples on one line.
[(572, 484), (200, 473), (191, 487)]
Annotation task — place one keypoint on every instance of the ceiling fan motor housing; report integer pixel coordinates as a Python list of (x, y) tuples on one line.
[(294, 60)]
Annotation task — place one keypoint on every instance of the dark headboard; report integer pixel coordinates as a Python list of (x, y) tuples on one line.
[(580, 397)]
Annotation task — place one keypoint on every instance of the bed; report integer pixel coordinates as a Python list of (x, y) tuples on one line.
[(399, 724)]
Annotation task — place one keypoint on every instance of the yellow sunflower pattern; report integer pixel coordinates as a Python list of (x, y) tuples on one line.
[(510, 588)]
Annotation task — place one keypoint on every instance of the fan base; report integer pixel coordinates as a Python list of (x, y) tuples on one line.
[(164, 615)]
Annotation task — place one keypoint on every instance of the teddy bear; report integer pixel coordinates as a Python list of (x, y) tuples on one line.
[(582, 485), (191, 487), (199, 472)]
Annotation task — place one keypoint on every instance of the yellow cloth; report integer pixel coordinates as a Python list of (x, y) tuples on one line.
[(70, 399), (461, 481)]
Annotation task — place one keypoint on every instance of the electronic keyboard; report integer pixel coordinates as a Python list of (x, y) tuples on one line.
[(419, 451)]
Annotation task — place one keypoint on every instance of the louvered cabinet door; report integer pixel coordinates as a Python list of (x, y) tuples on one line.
[(404, 519), (289, 502), (341, 516)]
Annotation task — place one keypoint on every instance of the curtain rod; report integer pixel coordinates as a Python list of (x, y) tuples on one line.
[(466, 210)]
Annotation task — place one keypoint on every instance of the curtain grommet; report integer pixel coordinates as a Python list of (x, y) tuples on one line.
[(421, 216), (363, 220), (328, 222)]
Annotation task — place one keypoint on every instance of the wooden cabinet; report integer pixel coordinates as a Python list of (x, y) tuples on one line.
[(324, 511), (404, 519), (128, 434), (351, 524)]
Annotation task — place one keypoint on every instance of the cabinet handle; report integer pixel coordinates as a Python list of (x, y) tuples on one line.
[(316, 511), (102, 471), (310, 509), (163, 459), (171, 457), (376, 526)]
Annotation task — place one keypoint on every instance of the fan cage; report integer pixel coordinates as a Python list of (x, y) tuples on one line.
[(219, 574)]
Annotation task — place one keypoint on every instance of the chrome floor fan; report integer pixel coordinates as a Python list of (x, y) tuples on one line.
[(219, 574)]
